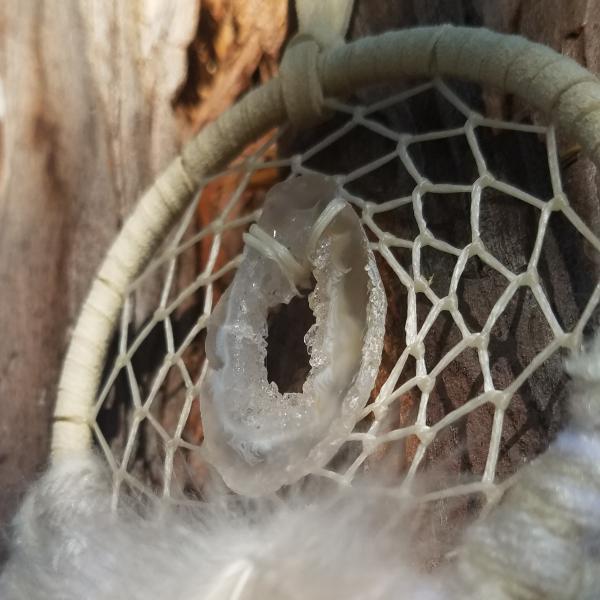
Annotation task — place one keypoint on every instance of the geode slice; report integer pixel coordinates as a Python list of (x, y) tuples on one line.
[(257, 438)]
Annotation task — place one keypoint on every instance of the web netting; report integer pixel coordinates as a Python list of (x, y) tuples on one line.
[(489, 278)]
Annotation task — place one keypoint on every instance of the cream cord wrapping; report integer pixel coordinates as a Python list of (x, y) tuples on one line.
[(557, 85)]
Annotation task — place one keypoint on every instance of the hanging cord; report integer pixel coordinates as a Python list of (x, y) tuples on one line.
[(326, 21), (298, 274), (321, 25)]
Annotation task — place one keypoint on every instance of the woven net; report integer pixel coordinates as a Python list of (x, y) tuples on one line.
[(488, 276)]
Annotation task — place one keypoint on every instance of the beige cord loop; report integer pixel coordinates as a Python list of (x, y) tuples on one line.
[(325, 218), (324, 20), (321, 24), (270, 248), (300, 83)]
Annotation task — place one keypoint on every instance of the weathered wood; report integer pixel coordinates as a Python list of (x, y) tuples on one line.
[(99, 99), (88, 125)]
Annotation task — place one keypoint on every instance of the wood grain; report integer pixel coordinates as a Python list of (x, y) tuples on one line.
[(88, 125)]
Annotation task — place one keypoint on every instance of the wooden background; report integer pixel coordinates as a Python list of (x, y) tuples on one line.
[(97, 97)]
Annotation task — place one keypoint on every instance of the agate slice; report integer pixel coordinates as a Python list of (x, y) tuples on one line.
[(257, 438)]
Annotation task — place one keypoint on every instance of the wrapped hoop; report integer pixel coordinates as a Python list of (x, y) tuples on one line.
[(557, 85)]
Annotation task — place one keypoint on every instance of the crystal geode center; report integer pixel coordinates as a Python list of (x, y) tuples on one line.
[(257, 438)]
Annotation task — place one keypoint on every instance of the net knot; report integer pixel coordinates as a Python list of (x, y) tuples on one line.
[(559, 202), (300, 83), (425, 435)]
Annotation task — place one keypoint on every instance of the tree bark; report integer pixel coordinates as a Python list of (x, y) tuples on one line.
[(99, 97), (88, 125)]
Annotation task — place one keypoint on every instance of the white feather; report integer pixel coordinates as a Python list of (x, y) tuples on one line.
[(68, 545), (542, 541)]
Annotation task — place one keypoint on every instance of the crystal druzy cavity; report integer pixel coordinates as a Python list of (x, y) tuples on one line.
[(257, 438)]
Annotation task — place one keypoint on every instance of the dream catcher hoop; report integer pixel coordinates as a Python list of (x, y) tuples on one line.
[(312, 226)]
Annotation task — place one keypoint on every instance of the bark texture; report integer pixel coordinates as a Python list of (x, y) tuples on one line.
[(88, 124)]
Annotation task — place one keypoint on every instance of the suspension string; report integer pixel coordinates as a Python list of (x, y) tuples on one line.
[(326, 21), (269, 247), (325, 218), (296, 273)]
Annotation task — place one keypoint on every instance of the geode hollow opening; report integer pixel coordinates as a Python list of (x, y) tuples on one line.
[(257, 438), (288, 359)]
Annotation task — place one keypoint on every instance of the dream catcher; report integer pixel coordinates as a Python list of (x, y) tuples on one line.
[(319, 484)]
